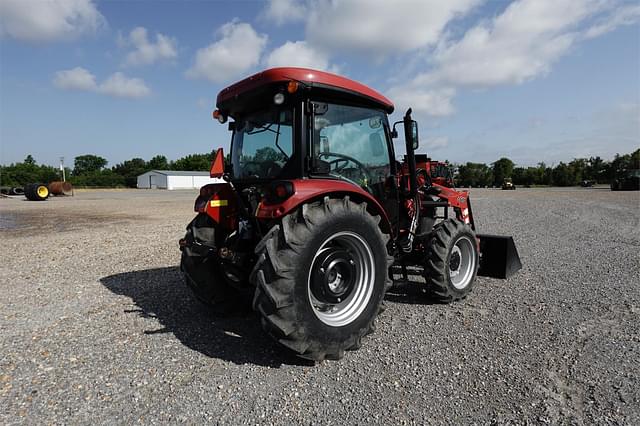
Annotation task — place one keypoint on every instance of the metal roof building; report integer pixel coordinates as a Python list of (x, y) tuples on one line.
[(174, 179)]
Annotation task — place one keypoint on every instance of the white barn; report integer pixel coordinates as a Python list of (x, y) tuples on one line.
[(174, 179)]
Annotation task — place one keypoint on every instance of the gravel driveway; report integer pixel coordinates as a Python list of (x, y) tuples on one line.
[(96, 325)]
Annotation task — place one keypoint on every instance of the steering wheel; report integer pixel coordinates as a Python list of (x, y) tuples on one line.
[(337, 161), (347, 159)]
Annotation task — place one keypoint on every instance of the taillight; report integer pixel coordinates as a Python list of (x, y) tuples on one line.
[(278, 191)]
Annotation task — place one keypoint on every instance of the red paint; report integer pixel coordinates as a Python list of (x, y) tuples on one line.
[(458, 200), (217, 165), (429, 166), (307, 76), (305, 190)]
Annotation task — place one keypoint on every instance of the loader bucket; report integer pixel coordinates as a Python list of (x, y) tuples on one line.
[(498, 256)]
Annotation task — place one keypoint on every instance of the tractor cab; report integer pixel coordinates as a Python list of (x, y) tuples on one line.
[(313, 127)]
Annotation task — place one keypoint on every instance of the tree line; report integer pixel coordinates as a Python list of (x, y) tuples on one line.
[(92, 170), (593, 169)]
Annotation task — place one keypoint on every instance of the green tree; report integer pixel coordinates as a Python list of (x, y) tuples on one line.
[(159, 162), (578, 168), (562, 175), (474, 174), (503, 168), (267, 154), (20, 174), (102, 178), (519, 175), (634, 162), (195, 162), (85, 164), (130, 170), (595, 169)]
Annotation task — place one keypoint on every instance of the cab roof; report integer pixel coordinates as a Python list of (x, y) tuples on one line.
[(307, 77)]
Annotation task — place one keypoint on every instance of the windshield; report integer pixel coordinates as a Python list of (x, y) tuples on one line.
[(440, 170), (262, 144), (350, 142)]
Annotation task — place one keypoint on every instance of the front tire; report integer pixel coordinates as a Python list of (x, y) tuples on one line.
[(321, 277), (452, 261)]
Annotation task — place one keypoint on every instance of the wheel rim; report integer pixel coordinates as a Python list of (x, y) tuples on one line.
[(341, 279), (462, 262), (43, 191)]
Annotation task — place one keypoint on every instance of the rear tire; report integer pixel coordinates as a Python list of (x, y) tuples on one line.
[(321, 277), (205, 276), (452, 261)]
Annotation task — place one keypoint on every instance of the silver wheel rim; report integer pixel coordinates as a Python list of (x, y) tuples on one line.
[(462, 262), (346, 309)]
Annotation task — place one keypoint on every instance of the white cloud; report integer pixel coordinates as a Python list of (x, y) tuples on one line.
[(119, 85), (238, 49), (627, 15), (381, 27), (77, 78), (520, 44), (282, 11), (436, 102), (297, 54), (48, 20), (116, 84), (145, 52)]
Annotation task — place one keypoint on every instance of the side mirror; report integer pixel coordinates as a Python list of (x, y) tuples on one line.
[(414, 134)]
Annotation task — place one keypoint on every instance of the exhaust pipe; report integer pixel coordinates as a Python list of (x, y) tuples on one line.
[(498, 256)]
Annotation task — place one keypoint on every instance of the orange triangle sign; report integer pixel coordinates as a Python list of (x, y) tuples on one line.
[(217, 165)]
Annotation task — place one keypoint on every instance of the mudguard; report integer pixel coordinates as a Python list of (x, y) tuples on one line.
[(498, 256), (306, 190)]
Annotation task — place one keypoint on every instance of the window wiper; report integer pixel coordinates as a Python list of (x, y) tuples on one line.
[(278, 146), (261, 128), (264, 128)]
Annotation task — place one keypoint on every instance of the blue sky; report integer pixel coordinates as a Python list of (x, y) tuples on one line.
[(534, 80)]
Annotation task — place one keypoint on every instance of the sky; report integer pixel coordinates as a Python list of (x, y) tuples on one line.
[(532, 80)]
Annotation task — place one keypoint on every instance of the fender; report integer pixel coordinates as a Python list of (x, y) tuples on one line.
[(307, 190), (220, 202)]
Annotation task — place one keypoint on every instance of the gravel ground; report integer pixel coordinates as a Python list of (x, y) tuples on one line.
[(96, 325)]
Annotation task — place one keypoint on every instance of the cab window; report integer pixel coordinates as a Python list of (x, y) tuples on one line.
[(349, 143)]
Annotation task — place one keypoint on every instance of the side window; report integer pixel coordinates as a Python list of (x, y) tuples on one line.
[(350, 143)]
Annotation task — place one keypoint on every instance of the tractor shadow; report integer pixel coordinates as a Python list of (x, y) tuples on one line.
[(410, 291), (162, 294)]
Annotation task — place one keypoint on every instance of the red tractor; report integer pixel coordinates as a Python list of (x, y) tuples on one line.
[(315, 211), (435, 172)]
